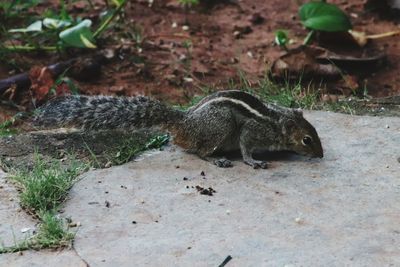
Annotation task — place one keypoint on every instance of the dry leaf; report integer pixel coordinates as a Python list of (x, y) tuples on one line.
[(41, 82)]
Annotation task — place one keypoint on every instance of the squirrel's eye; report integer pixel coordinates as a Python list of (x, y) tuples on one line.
[(306, 140)]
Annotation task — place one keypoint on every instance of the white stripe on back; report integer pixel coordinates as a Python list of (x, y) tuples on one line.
[(239, 102)]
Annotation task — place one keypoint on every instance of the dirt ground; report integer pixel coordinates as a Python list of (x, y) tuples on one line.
[(172, 54)]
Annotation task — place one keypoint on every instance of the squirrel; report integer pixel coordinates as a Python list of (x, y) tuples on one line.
[(221, 122)]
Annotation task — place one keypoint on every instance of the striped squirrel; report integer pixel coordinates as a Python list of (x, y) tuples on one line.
[(221, 122)]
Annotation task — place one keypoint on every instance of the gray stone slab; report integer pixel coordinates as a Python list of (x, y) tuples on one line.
[(342, 210), (15, 224), (65, 258)]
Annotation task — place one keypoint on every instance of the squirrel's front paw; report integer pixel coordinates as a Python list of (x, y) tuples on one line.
[(257, 164), (223, 163)]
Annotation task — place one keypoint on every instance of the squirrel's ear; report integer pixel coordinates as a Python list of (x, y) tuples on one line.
[(288, 126), (298, 111)]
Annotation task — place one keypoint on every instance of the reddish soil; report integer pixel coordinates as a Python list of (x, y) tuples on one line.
[(160, 65)]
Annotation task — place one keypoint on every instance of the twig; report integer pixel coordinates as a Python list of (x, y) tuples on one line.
[(23, 48), (108, 20), (308, 37), (22, 80), (227, 259), (382, 35)]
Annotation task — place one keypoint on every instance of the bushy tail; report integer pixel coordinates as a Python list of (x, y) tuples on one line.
[(105, 112)]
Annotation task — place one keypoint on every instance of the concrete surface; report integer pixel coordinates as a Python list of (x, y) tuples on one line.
[(343, 210), (15, 224), (43, 258)]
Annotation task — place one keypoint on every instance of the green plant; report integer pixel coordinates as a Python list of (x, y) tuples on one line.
[(188, 2), (186, 5), (14, 8), (131, 148), (340, 106), (287, 95), (321, 16), (52, 233), (6, 126), (187, 59), (61, 32), (292, 95), (5, 129), (43, 189), (281, 39), (46, 185)]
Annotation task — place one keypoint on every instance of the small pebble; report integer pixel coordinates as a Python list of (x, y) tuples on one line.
[(387, 126), (26, 229), (236, 34), (298, 220), (182, 57), (185, 27), (228, 212), (354, 15), (108, 53)]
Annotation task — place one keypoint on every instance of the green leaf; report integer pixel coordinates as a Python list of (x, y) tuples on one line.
[(281, 38), (55, 23), (324, 17), (117, 2), (34, 27), (189, 2), (79, 35)]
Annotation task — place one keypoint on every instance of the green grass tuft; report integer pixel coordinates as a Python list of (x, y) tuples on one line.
[(5, 129), (43, 189), (291, 95), (52, 233), (131, 148), (47, 184)]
